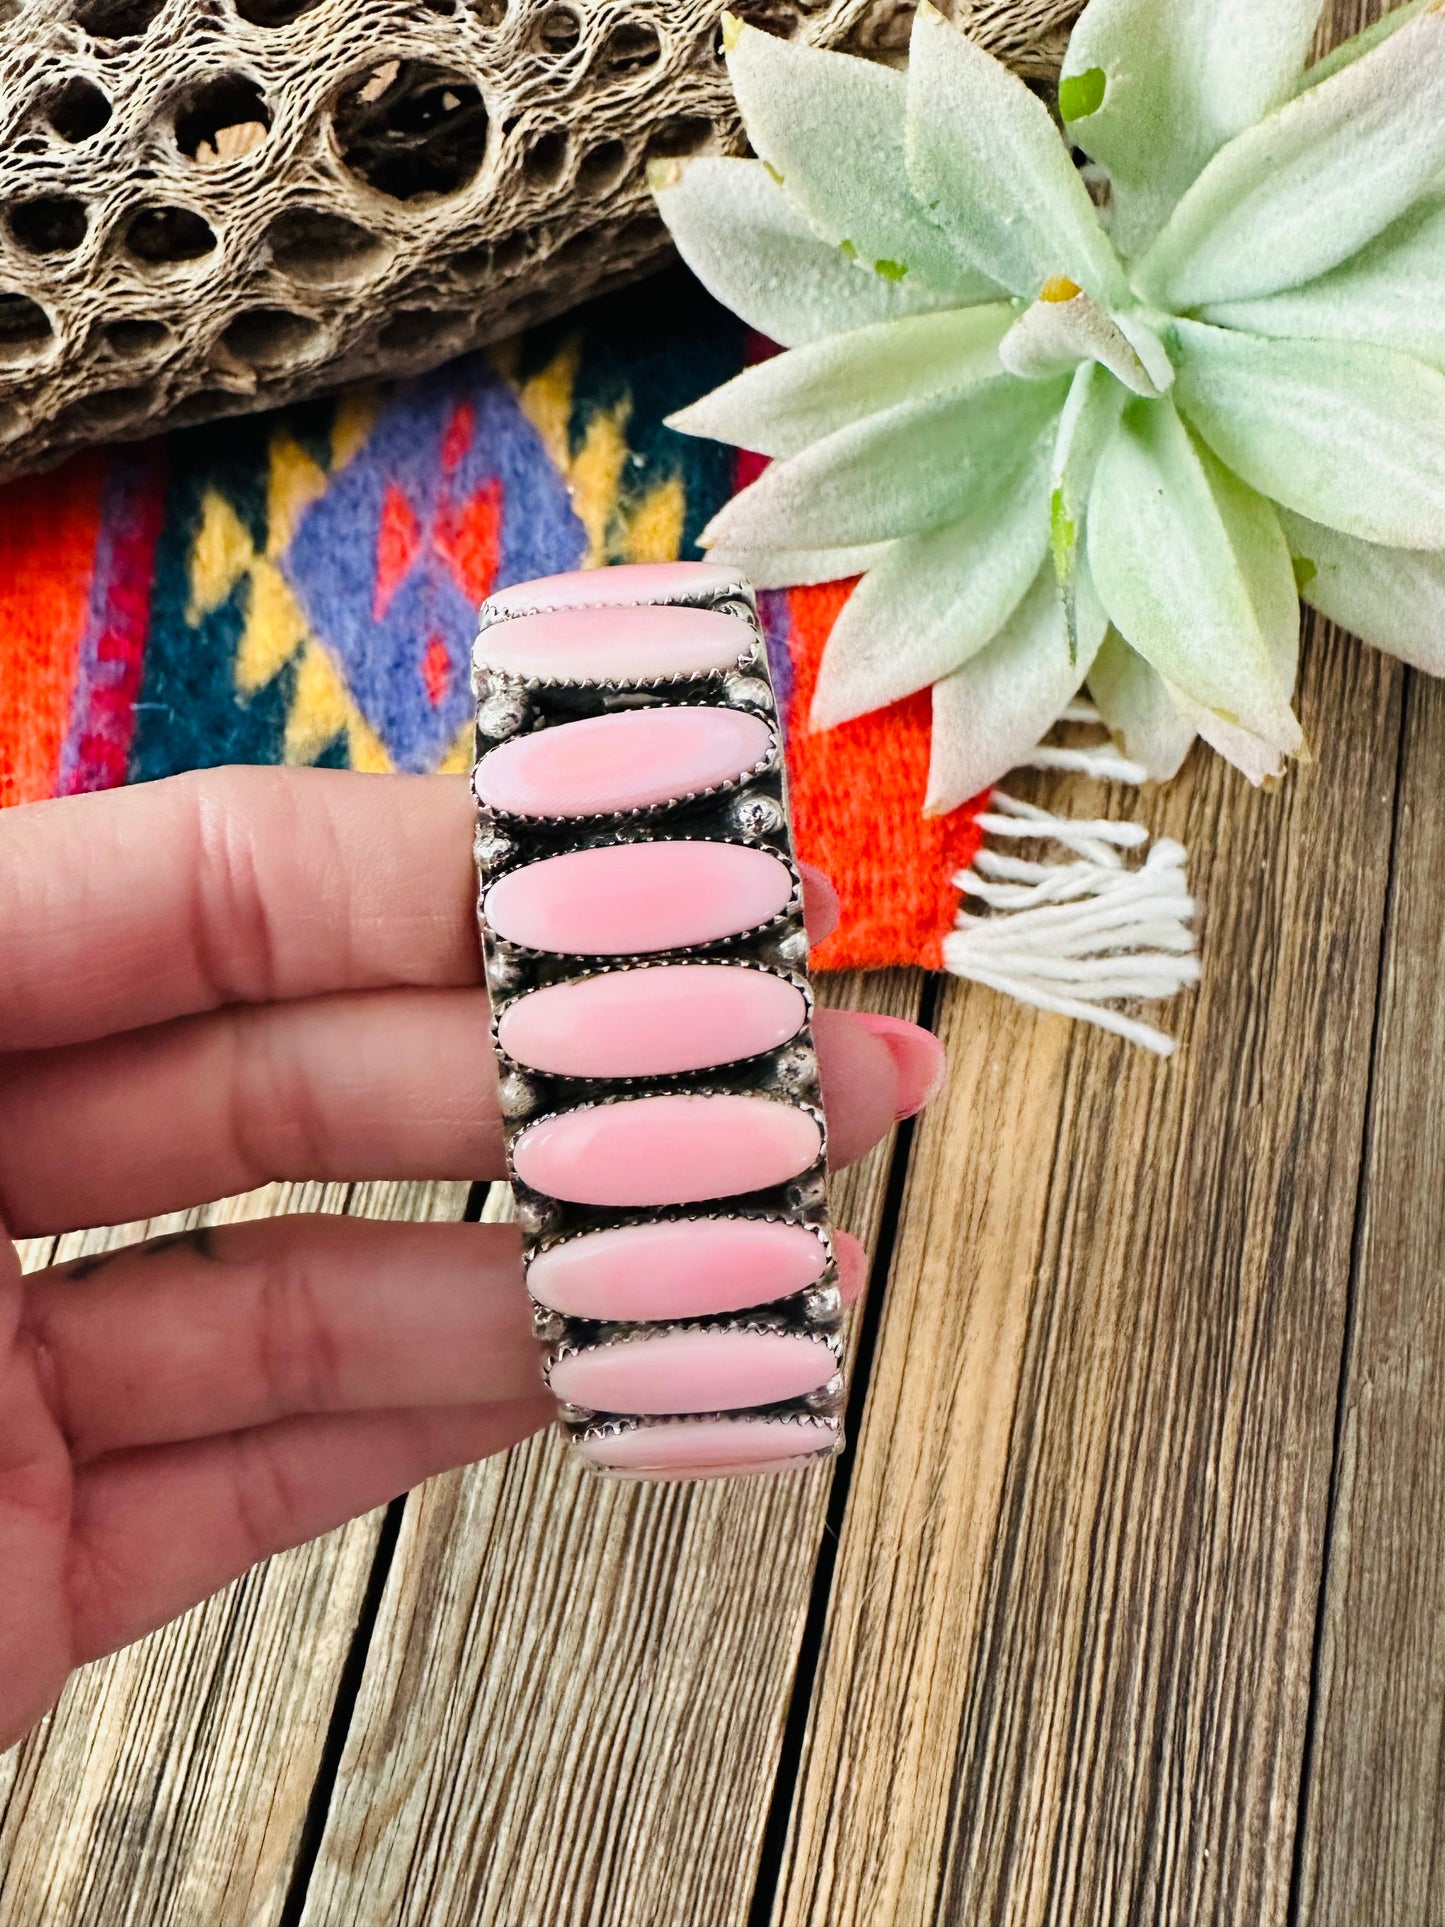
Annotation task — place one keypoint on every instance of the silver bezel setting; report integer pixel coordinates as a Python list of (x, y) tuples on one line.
[(749, 811)]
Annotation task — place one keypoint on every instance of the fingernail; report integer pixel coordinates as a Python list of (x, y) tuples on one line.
[(821, 908), (852, 1267), (917, 1055)]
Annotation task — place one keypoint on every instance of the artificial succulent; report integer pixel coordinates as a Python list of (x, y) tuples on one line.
[(1098, 425)]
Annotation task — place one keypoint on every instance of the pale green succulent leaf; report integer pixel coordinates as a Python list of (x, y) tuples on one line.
[(754, 249), (1252, 526), (1312, 183), (1090, 416), (1391, 293), (1363, 42), (1140, 708), (1148, 345), (782, 405), (1393, 599), (1262, 759), (1343, 432), (899, 473), (932, 602), (832, 127), (797, 568), (1052, 337), (1168, 576), (990, 714), (986, 161), (1176, 82)]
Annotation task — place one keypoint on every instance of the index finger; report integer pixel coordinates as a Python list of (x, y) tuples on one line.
[(229, 886), (226, 886)]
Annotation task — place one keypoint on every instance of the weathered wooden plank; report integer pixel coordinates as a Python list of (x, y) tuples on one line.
[(1374, 1815), (171, 1783), (1066, 1667), (574, 1700)]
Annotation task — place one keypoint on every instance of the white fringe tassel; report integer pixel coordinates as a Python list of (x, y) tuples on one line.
[(1073, 936)]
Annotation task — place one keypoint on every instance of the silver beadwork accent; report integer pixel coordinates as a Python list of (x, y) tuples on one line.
[(518, 1095), (547, 1325), (501, 704), (822, 1304), (756, 815), (809, 1194), (795, 1068), (505, 968), (736, 606), (792, 946), (828, 1397), (537, 1215), (491, 846), (571, 1414), (748, 692)]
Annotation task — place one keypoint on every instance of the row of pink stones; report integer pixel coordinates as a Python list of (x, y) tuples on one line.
[(630, 899)]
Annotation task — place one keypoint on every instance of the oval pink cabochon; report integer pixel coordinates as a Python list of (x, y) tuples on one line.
[(652, 1022), (694, 1371), (676, 1149), (703, 1447), (631, 760), (677, 1268), (623, 583), (649, 643), (625, 899)]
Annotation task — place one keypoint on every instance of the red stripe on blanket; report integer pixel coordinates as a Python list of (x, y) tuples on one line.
[(857, 796), (112, 651), (47, 548)]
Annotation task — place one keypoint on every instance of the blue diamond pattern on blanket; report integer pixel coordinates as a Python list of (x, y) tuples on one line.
[(451, 495)]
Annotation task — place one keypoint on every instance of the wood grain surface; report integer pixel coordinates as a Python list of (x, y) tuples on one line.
[(1072, 1626), (1375, 1816)]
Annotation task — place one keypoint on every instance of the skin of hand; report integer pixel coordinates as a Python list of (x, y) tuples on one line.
[(206, 984)]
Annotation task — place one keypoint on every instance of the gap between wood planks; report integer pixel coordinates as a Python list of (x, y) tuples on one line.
[(1364, 1169), (775, 1834), (348, 1683)]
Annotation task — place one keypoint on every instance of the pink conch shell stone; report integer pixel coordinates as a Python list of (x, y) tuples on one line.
[(628, 898), (676, 1268), (694, 1371), (667, 1150), (646, 644), (652, 1022), (699, 1448), (627, 582), (627, 761)]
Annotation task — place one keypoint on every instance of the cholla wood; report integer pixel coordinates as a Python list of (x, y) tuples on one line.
[(213, 205)]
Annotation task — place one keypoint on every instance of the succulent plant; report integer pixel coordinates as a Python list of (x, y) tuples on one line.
[(1100, 424)]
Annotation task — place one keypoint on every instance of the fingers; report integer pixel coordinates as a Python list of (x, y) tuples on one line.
[(247, 1324), (380, 1084), (236, 886), (229, 885), (360, 1085), (158, 1529)]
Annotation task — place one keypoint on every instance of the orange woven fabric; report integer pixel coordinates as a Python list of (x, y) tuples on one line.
[(857, 797)]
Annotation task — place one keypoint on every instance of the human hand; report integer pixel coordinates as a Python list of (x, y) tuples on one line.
[(207, 984)]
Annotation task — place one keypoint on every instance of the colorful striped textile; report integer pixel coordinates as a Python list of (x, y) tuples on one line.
[(301, 587)]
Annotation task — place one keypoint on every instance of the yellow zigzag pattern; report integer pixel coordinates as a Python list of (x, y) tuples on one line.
[(619, 529), (275, 633)]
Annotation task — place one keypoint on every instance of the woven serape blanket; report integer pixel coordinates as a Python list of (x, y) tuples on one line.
[(301, 587)]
